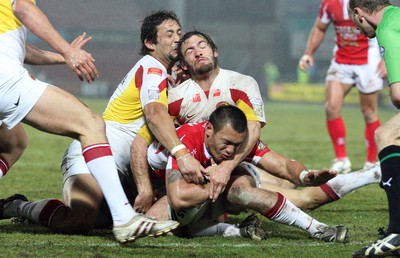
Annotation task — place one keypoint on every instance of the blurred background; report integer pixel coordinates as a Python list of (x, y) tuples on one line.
[(260, 38)]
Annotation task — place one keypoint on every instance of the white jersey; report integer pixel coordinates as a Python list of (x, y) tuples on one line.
[(12, 42), (145, 83), (189, 103)]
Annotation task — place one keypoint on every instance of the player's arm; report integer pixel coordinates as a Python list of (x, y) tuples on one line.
[(293, 170), (140, 172), (395, 94), (163, 129), (182, 194), (315, 38), (36, 56), (81, 62)]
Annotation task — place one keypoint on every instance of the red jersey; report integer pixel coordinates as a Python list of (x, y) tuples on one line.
[(192, 135), (352, 47)]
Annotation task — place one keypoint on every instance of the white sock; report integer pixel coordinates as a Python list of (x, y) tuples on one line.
[(286, 212), (206, 227), (102, 166), (345, 183)]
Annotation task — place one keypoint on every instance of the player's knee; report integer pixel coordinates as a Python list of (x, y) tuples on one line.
[(385, 136), (239, 196)]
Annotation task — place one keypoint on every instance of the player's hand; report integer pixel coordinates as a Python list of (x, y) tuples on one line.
[(318, 177), (80, 61), (80, 41), (178, 75), (218, 176), (305, 62), (381, 69), (143, 202), (191, 169)]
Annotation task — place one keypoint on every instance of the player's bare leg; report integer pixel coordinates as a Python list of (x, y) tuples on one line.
[(335, 93), (12, 145), (79, 122), (369, 108), (242, 193)]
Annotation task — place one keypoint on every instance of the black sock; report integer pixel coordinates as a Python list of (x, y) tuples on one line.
[(389, 158)]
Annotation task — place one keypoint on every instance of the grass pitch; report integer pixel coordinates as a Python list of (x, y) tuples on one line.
[(294, 130)]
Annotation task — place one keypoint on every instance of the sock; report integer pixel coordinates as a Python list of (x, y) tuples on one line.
[(370, 140), (3, 167), (206, 227), (101, 164), (39, 212), (337, 132), (389, 158), (343, 184), (287, 213)]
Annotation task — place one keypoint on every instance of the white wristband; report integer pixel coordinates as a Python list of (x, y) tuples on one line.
[(177, 148), (302, 175)]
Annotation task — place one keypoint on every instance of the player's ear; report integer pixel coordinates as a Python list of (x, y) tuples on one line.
[(216, 53), (150, 45), (209, 129)]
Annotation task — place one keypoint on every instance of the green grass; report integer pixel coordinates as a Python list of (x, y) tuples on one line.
[(296, 131)]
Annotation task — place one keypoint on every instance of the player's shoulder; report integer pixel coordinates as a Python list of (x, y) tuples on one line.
[(151, 65), (238, 78), (182, 88)]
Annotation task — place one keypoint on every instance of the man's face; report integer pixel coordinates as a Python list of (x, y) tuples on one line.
[(168, 34), (224, 144), (357, 16), (198, 56)]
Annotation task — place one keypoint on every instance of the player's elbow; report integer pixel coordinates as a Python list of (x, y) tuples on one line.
[(20, 9), (180, 201)]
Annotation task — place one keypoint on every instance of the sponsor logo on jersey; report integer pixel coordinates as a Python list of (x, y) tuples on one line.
[(217, 93), (153, 70), (196, 98), (153, 94)]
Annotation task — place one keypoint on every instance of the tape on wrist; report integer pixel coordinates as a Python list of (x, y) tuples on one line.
[(177, 148), (302, 175)]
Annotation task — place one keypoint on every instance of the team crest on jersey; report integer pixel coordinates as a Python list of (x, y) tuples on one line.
[(258, 106), (153, 94), (196, 98), (154, 70), (382, 50), (217, 93), (221, 104), (261, 146)]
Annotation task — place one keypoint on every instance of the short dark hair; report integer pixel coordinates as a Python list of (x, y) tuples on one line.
[(228, 115), (149, 27), (190, 34), (369, 6)]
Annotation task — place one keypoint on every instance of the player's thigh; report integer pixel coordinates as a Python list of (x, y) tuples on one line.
[(12, 142), (59, 112), (83, 194)]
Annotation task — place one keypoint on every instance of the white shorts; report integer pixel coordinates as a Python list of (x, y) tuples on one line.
[(364, 77), (18, 96), (120, 141)]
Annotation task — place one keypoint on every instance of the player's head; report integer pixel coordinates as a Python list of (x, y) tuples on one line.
[(360, 11), (160, 33), (225, 132), (197, 53)]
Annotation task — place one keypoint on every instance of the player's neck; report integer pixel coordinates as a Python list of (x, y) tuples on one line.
[(205, 81)]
